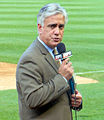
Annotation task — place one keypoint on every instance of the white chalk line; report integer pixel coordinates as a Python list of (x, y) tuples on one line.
[(80, 73)]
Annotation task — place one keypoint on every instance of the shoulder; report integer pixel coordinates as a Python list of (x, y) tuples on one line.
[(34, 53)]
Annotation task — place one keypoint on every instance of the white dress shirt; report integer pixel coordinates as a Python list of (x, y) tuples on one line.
[(48, 48)]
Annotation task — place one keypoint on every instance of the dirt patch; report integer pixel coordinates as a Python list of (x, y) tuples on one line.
[(84, 80), (8, 80), (7, 76)]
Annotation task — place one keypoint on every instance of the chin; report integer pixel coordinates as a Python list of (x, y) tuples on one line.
[(56, 44)]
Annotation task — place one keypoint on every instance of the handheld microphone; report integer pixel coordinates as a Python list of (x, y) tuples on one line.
[(62, 56)]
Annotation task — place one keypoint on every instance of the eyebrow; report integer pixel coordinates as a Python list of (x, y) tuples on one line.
[(60, 25), (50, 25)]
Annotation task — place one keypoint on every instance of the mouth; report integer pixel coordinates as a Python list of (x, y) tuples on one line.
[(56, 39)]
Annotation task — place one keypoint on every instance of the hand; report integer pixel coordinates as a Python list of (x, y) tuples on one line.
[(66, 69), (78, 99)]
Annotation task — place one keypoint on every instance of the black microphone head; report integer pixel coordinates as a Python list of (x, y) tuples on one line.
[(61, 48)]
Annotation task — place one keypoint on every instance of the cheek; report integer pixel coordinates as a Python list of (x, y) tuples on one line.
[(50, 34), (46, 34), (62, 32)]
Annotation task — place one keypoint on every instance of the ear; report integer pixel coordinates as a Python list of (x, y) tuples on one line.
[(40, 28)]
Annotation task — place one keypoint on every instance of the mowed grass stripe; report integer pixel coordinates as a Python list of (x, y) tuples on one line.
[(25, 28), (80, 33), (21, 12), (83, 20), (89, 20), (16, 22), (87, 32), (75, 19), (31, 14), (18, 34), (10, 26), (70, 12), (37, 6), (84, 26), (85, 36), (4, 40), (21, 6), (73, 24), (65, 2), (24, 31), (16, 16), (22, 2), (31, 19), (69, 4), (75, 30)]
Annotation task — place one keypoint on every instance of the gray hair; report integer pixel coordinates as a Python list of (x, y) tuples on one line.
[(49, 10)]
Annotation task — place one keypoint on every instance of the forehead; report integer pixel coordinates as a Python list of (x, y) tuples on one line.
[(58, 18)]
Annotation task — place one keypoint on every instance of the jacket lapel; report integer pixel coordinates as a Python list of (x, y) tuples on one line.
[(47, 55), (51, 61)]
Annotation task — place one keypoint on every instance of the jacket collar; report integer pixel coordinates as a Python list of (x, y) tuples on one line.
[(47, 55)]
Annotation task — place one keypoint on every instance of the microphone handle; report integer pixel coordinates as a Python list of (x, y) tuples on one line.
[(72, 87), (71, 83)]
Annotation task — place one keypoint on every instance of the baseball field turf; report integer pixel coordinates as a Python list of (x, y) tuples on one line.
[(84, 35)]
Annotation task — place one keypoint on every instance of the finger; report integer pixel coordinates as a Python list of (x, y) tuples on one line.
[(75, 101), (72, 100), (73, 95), (78, 96), (76, 92), (69, 64), (75, 104), (66, 61)]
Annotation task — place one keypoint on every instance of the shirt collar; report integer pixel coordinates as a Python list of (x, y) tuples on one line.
[(48, 48)]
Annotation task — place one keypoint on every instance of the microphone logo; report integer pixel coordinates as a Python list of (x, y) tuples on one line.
[(63, 56)]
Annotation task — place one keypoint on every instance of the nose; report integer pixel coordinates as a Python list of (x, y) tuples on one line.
[(57, 31)]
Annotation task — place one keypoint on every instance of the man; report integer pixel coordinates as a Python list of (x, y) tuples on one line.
[(42, 84)]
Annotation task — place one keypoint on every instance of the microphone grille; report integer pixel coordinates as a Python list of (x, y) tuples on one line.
[(61, 48)]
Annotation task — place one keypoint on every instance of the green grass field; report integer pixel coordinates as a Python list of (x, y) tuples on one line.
[(84, 35)]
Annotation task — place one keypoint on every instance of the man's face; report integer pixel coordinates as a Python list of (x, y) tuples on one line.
[(52, 31)]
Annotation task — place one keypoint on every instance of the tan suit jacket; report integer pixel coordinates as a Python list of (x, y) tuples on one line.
[(41, 90)]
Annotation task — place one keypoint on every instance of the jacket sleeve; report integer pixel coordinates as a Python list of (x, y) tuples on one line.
[(35, 92)]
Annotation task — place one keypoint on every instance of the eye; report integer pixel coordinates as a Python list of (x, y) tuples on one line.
[(61, 26), (52, 26)]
